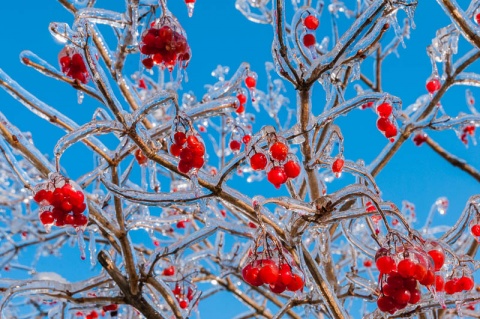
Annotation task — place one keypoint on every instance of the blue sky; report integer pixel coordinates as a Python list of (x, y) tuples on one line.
[(218, 34)]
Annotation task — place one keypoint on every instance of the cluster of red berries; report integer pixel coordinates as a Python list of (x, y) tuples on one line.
[(284, 165), (384, 124), (311, 24), (182, 297), (467, 130), (73, 65), (279, 276), (191, 150), (250, 83), (433, 84), (163, 45), (458, 284), (401, 274), (62, 203), (235, 145)]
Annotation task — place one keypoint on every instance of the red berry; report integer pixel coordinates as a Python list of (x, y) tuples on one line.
[(439, 283), (197, 149), (169, 271), (406, 268), (385, 264), (258, 161), (186, 154), (292, 169), (190, 294), (268, 271), (250, 82), (197, 162), (285, 274), (402, 296), (419, 139), (438, 258), (251, 275), (410, 283), (420, 272), (140, 157), (175, 150), (429, 279), (193, 141), (309, 40), (183, 304), (148, 63), (277, 176), (395, 280), (388, 290), (337, 166), (475, 230), (414, 296), (235, 145), (311, 22), (464, 284), (296, 283), (367, 263), (279, 151), (386, 304), (391, 131), (278, 287), (184, 166), (181, 224), (46, 218), (66, 206), (111, 307), (477, 18), (384, 109), (79, 209), (450, 287), (433, 85), (242, 98), (240, 109), (80, 220), (39, 196), (180, 138), (246, 139), (383, 123)]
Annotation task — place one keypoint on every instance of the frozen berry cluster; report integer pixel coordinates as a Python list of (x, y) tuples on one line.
[(165, 44), (403, 273), (266, 268), (62, 203), (73, 65), (183, 295), (190, 148), (386, 122), (311, 24), (283, 165)]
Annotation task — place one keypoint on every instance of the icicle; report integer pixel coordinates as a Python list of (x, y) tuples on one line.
[(190, 7), (92, 245), (80, 96), (81, 243)]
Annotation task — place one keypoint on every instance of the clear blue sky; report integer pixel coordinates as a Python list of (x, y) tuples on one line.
[(218, 34)]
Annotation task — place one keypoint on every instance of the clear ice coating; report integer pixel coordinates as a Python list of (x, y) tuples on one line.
[(161, 238)]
